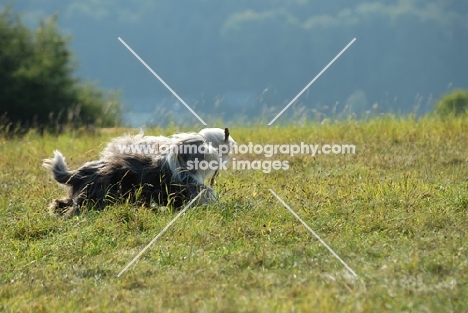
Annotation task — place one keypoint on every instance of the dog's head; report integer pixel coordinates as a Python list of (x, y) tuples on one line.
[(220, 139), (211, 146)]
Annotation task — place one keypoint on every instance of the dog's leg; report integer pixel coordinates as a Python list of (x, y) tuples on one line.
[(213, 179), (60, 206), (75, 209)]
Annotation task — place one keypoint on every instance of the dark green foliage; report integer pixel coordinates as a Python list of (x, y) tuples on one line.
[(37, 86), (453, 104)]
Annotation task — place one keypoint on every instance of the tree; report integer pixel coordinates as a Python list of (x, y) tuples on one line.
[(37, 86), (453, 104)]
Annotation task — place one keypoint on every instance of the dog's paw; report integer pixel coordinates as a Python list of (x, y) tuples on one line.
[(208, 196), (64, 208)]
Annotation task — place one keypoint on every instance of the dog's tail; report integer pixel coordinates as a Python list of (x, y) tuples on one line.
[(59, 168)]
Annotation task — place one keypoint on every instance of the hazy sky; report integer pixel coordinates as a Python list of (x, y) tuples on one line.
[(243, 56)]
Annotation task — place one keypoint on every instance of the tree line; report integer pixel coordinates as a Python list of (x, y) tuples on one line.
[(38, 87)]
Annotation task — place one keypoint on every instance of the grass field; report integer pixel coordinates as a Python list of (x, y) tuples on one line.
[(396, 212)]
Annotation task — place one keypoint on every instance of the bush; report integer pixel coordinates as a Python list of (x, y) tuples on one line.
[(453, 104), (37, 86)]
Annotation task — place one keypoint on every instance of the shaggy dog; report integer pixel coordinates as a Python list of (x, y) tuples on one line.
[(145, 169)]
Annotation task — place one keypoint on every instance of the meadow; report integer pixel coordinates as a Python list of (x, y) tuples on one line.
[(396, 212)]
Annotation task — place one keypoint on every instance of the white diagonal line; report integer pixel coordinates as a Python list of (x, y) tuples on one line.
[(162, 81), (312, 81), (313, 233), (160, 234)]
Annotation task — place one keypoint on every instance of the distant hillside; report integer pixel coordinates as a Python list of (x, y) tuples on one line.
[(244, 56)]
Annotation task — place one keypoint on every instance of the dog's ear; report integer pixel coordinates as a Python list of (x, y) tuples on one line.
[(226, 134), (189, 150)]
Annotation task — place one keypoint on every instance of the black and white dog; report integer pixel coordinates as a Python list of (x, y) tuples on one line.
[(145, 169)]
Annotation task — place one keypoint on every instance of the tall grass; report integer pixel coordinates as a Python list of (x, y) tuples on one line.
[(396, 212)]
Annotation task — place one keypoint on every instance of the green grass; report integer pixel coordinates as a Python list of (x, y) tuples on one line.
[(396, 212)]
